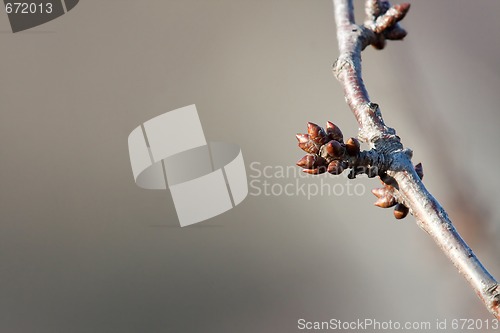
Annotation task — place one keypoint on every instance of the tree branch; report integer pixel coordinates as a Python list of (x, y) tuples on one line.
[(402, 183), (401, 174)]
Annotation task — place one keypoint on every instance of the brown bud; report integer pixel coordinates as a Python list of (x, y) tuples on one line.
[(352, 146), (400, 211), (336, 167), (311, 161), (303, 138), (334, 132), (315, 171), (309, 147), (379, 42), (379, 192), (335, 149), (317, 133), (419, 170), (395, 33), (386, 201), (402, 9), (307, 161)]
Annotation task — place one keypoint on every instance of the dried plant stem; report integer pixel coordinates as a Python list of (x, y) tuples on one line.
[(431, 217)]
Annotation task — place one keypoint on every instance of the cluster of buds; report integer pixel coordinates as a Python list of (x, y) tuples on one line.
[(327, 152), (382, 19), (326, 149), (386, 196)]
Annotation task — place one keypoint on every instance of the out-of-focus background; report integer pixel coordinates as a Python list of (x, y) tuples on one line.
[(83, 249)]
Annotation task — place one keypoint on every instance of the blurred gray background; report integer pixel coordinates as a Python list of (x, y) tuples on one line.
[(83, 249)]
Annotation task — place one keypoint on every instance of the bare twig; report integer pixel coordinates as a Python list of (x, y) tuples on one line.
[(392, 161)]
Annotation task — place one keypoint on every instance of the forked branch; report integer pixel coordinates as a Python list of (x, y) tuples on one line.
[(403, 187)]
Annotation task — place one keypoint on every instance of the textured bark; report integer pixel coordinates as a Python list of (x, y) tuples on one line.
[(397, 169)]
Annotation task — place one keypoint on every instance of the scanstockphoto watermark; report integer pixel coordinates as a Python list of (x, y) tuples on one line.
[(278, 180), (456, 324), (362, 324)]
